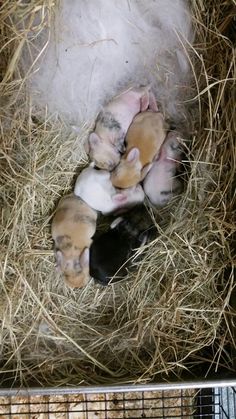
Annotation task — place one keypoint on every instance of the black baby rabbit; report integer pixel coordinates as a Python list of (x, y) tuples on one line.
[(111, 251)]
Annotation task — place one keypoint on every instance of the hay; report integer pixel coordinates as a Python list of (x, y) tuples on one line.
[(162, 322)]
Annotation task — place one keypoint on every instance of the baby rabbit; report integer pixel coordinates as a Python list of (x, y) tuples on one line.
[(73, 226), (160, 185), (107, 141), (95, 188), (144, 139), (110, 251)]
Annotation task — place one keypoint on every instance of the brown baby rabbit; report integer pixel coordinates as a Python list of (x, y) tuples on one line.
[(144, 140), (73, 226)]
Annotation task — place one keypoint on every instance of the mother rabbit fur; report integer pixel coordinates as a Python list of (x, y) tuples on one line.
[(96, 48)]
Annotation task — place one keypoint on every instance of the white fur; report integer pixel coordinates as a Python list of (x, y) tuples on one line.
[(98, 47), (95, 188)]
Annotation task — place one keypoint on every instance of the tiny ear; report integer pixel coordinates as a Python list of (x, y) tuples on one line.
[(59, 258), (145, 170), (133, 155), (119, 198), (144, 101), (84, 258), (93, 139), (152, 102)]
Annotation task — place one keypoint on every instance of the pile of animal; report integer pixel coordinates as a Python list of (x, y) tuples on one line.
[(135, 157)]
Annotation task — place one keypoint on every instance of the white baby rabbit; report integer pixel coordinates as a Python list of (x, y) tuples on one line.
[(95, 188)]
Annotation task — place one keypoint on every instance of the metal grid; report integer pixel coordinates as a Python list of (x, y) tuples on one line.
[(102, 406), (209, 403), (225, 403)]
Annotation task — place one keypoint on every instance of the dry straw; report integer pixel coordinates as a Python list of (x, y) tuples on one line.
[(162, 322)]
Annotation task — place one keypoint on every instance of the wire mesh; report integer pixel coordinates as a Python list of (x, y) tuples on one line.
[(218, 403), (225, 403)]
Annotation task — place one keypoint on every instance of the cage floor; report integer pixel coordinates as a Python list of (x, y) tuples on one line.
[(155, 404), (217, 403)]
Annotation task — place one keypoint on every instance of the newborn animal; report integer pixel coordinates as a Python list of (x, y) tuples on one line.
[(160, 184), (111, 251), (73, 226), (107, 141), (95, 188), (144, 139)]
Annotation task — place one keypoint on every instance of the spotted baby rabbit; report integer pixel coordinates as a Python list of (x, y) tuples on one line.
[(95, 188), (111, 251), (73, 226), (107, 141), (160, 184), (144, 139)]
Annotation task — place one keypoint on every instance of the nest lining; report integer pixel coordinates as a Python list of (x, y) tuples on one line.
[(160, 322)]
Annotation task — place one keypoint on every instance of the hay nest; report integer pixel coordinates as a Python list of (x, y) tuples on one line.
[(176, 306)]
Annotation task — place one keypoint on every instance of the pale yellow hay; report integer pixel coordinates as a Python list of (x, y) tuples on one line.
[(160, 323)]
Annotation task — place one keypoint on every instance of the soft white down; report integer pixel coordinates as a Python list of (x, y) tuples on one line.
[(97, 48)]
